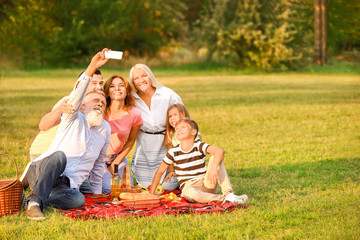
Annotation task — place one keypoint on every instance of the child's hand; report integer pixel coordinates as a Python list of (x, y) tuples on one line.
[(213, 176), (169, 176)]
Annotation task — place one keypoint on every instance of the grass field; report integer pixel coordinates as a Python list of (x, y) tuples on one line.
[(292, 144)]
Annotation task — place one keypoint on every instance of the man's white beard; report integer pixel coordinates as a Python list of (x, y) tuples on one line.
[(93, 118)]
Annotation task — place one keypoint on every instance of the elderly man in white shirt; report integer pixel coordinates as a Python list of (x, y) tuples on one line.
[(77, 152)]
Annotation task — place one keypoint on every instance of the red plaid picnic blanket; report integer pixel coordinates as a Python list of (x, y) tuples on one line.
[(102, 208)]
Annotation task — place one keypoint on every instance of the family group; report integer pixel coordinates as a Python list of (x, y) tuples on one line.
[(94, 128)]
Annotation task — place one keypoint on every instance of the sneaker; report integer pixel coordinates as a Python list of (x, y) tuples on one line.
[(231, 197), (35, 213)]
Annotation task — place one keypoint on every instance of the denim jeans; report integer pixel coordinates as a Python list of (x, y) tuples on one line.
[(49, 188), (85, 187)]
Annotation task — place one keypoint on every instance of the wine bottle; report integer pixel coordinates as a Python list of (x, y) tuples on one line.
[(115, 184)]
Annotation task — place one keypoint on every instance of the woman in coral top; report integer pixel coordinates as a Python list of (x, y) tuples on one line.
[(125, 121)]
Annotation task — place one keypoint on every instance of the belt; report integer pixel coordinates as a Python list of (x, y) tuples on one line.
[(154, 133)]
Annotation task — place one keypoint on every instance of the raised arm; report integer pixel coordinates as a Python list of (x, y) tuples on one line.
[(96, 62), (53, 118), (77, 95)]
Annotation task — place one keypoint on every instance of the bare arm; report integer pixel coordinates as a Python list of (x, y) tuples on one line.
[(156, 180), (171, 174), (218, 154), (96, 62), (53, 118), (127, 147)]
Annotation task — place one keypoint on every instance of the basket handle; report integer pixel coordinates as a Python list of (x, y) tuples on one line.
[(17, 172)]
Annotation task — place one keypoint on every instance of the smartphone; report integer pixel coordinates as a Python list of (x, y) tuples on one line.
[(113, 54)]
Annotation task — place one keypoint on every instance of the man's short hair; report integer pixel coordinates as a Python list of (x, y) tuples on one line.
[(97, 71), (192, 124)]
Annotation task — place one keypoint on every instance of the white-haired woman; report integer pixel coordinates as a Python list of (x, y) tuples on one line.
[(152, 99)]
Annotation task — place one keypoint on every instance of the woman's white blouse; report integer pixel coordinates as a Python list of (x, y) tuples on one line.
[(150, 150), (155, 118)]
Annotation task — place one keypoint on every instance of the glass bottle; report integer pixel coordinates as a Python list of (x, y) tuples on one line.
[(115, 184)]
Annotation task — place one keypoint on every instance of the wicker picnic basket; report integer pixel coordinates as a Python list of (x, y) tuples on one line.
[(10, 193), (146, 203)]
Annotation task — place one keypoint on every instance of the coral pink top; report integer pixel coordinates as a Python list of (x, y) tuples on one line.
[(120, 129)]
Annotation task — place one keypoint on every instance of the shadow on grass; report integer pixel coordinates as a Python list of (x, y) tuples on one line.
[(261, 182)]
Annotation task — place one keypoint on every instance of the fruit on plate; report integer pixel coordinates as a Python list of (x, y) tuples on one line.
[(159, 189), (171, 196)]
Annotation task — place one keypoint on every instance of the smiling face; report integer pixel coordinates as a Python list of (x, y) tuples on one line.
[(94, 106), (96, 84), (174, 116), (117, 90), (183, 131), (141, 79)]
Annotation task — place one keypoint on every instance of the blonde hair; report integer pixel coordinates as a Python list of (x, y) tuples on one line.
[(169, 129), (154, 83)]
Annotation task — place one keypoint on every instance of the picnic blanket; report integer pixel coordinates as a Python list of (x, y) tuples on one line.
[(103, 208)]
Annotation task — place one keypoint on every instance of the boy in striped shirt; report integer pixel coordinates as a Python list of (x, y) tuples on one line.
[(197, 183)]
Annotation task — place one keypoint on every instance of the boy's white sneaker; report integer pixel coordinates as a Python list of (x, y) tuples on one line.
[(231, 197)]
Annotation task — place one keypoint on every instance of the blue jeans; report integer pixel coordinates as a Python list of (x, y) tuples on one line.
[(49, 188), (85, 187)]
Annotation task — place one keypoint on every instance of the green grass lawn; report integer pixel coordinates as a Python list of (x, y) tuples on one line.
[(292, 144)]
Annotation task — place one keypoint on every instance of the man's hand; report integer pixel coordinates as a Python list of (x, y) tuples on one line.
[(96, 62), (65, 107)]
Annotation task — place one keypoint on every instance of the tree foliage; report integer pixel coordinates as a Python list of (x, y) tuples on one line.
[(265, 34), (344, 25), (66, 31), (252, 32)]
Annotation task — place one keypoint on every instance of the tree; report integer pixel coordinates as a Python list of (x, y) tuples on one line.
[(343, 25), (64, 32), (320, 30), (251, 32)]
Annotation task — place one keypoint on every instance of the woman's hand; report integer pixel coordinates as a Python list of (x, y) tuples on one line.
[(111, 169)]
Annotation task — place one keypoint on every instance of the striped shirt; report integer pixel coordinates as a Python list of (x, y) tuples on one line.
[(189, 165)]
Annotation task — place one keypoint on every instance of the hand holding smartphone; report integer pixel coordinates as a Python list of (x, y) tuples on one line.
[(114, 54)]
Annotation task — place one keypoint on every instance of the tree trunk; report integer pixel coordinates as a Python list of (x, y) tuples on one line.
[(320, 32)]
